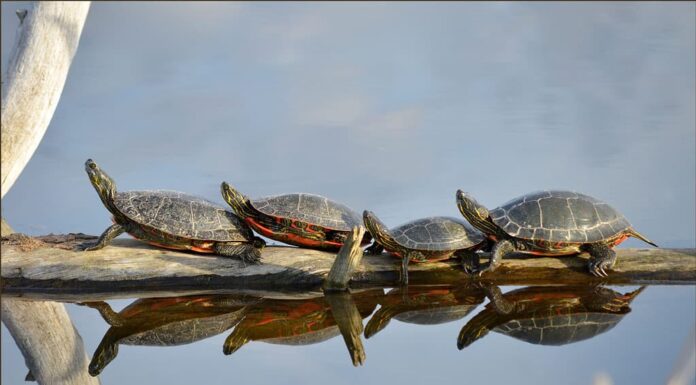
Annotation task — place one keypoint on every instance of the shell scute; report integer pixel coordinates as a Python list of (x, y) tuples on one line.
[(182, 215)]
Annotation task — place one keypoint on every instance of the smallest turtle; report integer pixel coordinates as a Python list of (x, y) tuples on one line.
[(422, 240)]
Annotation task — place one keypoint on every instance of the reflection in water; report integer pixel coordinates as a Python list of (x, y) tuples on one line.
[(165, 322), (308, 321), (424, 305), (549, 315)]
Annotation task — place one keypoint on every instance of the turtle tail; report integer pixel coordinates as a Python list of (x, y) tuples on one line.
[(476, 328), (234, 341), (379, 231), (239, 203), (632, 232)]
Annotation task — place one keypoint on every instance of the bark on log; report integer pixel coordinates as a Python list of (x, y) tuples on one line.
[(46, 42), (128, 266)]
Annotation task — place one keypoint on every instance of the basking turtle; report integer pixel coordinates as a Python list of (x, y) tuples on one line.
[(424, 305), (551, 223), (427, 239), (296, 322), (165, 322), (298, 219), (548, 315), (173, 220)]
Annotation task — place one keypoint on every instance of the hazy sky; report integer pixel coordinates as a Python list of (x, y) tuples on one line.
[(390, 107)]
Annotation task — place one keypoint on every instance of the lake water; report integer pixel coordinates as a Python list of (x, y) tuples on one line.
[(392, 108)]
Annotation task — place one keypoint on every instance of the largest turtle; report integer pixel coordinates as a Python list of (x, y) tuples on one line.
[(549, 315), (173, 220), (165, 322), (299, 219), (551, 223)]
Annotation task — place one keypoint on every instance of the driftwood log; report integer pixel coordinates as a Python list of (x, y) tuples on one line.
[(47, 40), (55, 267)]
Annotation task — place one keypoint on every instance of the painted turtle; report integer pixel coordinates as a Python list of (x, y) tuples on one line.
[(426, 239), (551, 223), (298, 219), (165, 322), (173, 220), (424, 305), (548, 315), (297, 322)]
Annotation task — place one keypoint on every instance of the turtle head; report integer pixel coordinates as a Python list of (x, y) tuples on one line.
[(104, 354), (470, 208), (105, 186)]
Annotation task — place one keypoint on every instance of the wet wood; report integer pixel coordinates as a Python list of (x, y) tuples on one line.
[(346, 262), (130, 266)]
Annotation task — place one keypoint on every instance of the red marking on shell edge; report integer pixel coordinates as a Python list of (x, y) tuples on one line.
[(290, 238), (427, 260), (621, 239)]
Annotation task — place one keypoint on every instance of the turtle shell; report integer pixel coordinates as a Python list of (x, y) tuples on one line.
[(560, 329), (559, 216), (435, 316), (186, 331), (437, 234), (309, 208), (182, 215)]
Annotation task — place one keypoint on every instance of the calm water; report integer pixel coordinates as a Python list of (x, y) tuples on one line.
[(387, 107)]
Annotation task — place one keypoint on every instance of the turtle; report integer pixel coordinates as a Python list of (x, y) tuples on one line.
[(421, 240), (299, 219), (425, 305), (165, 322), (550, 223), (300, 321), (173, 220), (549, 315)]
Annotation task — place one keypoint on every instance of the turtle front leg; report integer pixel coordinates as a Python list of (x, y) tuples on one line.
[(470, 260), (601, 257), (107, 236), (404, 267), (374, 249), (247, 252), (500, 250)]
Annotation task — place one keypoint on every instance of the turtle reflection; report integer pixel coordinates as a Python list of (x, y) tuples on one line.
[(165, 322), (549, 315), (307, 321), (424, 305)]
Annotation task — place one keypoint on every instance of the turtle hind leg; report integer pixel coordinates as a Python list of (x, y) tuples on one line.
[(500, 250), (601, 257), (107, 236), (247, 252), (374, 249)]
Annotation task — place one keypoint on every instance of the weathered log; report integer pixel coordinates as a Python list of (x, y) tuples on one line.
[(346, 262), (51, 346), (47, 39), (131, 266)]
